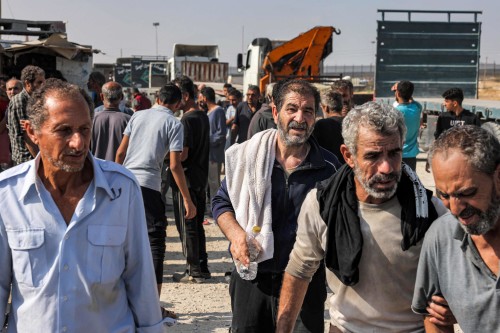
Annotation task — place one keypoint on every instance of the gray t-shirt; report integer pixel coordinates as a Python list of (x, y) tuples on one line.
[(381, 300), (107, 133), (451, 266), (152, 134)]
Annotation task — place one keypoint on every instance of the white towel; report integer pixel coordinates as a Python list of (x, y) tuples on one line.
[(249, 166)]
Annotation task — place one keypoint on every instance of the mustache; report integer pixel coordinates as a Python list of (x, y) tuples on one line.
[(469, 211), (296, 125), (73, 152), (383, 178)]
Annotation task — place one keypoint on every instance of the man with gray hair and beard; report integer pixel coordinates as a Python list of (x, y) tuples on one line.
[(367, 223), (267, 178), (461, 252)]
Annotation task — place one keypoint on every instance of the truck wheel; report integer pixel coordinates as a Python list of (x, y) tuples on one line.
[(493, 128)]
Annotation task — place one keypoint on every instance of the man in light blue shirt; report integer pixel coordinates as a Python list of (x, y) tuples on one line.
[(73, 241), (411, 110)]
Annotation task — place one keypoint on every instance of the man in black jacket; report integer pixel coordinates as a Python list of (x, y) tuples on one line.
[(294, 162)]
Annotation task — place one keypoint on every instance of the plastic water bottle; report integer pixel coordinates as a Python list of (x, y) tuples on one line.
[(250, 272)]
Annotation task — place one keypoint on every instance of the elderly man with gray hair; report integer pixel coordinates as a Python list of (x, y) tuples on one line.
[(109, 124), (461, 252), (328, 131), (73, 240), (367, 223)]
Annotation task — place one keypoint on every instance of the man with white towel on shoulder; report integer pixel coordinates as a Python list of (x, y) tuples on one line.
[(267, 178)]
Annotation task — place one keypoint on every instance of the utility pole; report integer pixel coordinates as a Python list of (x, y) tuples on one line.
[(156, 24), (485, 66)]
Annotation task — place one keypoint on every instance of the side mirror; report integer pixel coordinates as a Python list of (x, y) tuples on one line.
[(239, 61)]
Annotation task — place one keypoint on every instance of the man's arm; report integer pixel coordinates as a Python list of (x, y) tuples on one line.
[(180, 180), (438, 131), (229, 121), (292, 295), (121, 153), (236, 124), (234, 133), (236, 235), (304, 260), (184, 153)]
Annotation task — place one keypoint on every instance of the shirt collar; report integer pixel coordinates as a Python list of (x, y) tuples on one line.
[(461, 235), (32, 176), (163, 108)]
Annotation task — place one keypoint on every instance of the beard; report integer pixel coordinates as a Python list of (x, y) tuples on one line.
[(487, 220), (293, 140), (368, 184), (61, 165)]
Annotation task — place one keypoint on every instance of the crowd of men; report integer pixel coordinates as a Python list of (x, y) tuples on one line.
[(331, 186)]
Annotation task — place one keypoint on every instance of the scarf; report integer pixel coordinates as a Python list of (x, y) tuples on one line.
[(339, 209)]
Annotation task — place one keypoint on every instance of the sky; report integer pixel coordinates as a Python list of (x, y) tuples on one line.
[(125, 27)]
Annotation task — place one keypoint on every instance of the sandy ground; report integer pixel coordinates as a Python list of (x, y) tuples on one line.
[(206, 307)]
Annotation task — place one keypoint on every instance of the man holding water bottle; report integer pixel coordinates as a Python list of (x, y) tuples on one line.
[(267, 178)]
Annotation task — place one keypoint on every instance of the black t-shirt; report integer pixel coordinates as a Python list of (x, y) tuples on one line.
[(328, 133), (262, 120), (447, 120), (242, 118), (196, 138)]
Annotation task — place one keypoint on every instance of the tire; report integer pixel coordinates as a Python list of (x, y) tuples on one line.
[(493, 128)]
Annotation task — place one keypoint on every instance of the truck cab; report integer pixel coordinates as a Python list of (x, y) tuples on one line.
[(256, 53)]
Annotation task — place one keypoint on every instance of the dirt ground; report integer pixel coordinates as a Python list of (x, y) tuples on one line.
[(207, 307), (489, 89)]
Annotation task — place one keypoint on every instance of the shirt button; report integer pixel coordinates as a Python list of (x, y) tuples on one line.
[(65, 267), (64, 329), (66, 236), (65, 298)]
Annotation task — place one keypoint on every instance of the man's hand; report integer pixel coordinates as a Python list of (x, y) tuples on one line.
[(190, 209), (239, 247), (22, 123), (440, 313)]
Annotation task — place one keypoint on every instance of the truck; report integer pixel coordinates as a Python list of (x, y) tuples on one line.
[(52, 51), (301, 57), (199, 62)]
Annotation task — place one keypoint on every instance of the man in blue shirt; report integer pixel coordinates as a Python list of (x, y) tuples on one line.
[(411, 111), (73, 241)]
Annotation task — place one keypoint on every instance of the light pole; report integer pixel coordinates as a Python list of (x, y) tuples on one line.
[(156, 24)]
